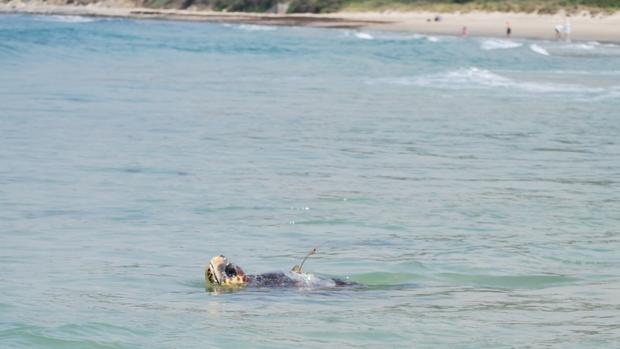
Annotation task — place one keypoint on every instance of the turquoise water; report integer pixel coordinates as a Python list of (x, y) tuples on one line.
[(471, 184)]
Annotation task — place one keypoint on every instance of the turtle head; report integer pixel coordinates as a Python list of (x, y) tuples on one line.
[(220, 272)]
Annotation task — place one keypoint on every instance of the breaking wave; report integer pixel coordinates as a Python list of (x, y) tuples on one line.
[(496, 44), (589, 49), (367, 36), (539, 50), (254, 27), (362, 35), (476, 78), (66, 19), (596, 43), (386, 36), (429, 38), (576, 49)]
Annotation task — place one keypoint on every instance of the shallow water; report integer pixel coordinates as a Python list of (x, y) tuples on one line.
[(471, 184)]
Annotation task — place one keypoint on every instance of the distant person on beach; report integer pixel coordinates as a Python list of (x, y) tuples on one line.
[(464, 32), (508, 29), (558, 31), (563, 31), (567, 29)]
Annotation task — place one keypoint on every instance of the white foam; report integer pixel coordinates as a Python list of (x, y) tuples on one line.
[(255, 27), (428, 38), (586, 47), (66, 19), (596, 43), (364, 36), (539, 50), (377, 36), (475, 78), (416, 36), (582, 49), (419, 37), (469, 76), (453, 79), (312, 280), (496, 44), (393, 37)]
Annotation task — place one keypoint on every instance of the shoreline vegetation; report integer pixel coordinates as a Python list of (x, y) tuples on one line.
[(550, 7), (590, 19)]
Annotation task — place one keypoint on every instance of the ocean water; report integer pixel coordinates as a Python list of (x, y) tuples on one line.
[(471, 185)]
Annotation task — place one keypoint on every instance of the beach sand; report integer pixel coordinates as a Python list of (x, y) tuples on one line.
[(523, 25), (605, 28)]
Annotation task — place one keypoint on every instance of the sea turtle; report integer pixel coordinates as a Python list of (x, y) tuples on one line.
[(220, 272)]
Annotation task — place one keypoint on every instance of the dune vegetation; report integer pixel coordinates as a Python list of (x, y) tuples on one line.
[(527, 6), (325, 6)]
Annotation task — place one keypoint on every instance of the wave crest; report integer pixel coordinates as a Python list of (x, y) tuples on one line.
[(66, 19), (362, 35), (476, 78), (536, 48), (254, 27), (496, 44)]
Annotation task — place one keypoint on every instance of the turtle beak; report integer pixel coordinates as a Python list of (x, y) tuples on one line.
[(216, 273)]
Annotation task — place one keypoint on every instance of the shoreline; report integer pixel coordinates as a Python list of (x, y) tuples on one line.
[(479, 24), (309, 20)]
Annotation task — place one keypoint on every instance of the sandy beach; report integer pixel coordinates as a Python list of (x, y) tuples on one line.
[(523, 25), (605, 28)]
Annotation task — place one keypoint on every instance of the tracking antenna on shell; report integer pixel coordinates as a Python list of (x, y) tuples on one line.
[(297, 268)]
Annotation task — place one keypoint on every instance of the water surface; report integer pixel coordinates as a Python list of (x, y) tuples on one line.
[(471, 184)]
